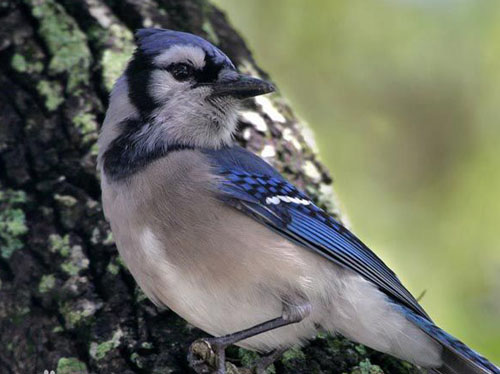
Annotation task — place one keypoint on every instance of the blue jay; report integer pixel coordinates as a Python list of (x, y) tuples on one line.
[(216, 234)]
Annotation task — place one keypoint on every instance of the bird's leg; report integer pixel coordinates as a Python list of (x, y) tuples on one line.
[(291, 314)]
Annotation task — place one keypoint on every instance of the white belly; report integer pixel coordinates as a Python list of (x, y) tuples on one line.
[(232, 289)]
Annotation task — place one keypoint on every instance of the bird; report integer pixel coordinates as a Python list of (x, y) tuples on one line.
[(216, 234)]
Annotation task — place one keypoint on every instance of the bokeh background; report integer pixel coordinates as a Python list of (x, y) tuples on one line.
[(404, 98)]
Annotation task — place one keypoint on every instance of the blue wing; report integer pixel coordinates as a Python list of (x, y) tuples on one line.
[(257, 189)]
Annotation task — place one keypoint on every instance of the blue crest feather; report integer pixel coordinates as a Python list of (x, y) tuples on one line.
[(153, 41)]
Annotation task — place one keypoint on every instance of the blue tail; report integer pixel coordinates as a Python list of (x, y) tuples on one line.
[(457, 357)]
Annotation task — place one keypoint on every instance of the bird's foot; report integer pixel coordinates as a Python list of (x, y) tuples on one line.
[(207, 357), (201, 357)]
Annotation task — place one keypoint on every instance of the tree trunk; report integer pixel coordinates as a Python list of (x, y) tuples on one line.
[(66, 301)]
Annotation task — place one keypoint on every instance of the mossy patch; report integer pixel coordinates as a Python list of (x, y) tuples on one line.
[(18, 315), (293, 354), (115, 59), (113, 63), (104, 237), (140, 296), (19, 63), (76, 263), (366, 367), (99, 350), (12, 221), (137, 360), (66, 200), (47, 282), (71, 317), (79, 312), (70, 211), (113, 268), (57, 329), (52, 93), (22, 64), (71, 365), (87, 126), (247, 357), (109, 239), (59, 244), (12, 196), (70, 268), (66, 43)]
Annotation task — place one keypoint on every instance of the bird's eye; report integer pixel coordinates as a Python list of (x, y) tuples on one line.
[(181, 71)]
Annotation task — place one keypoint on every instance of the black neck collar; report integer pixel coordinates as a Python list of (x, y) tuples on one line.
[(124, 158)]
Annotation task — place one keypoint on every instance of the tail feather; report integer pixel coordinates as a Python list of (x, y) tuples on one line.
[(455, 363), (457, 357)]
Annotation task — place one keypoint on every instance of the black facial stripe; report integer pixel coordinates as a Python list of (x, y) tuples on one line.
[(138, 75), (181, 71), (124, 158), (210, 71)]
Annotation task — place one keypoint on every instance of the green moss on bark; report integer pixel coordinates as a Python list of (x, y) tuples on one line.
[(71, 365), (115, 59), (52, 93), (99, 350), (47, 282), (66, 43), (59, 244), (12, 221)]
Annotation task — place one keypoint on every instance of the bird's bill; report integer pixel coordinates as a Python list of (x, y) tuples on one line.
[(242, 87)]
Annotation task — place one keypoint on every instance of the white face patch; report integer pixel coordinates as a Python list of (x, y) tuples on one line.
[(120, 109), (275, 200), (181, 53), (162, 83), (184, 114)]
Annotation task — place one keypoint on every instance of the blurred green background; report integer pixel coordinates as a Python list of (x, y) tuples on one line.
[(404, 98)]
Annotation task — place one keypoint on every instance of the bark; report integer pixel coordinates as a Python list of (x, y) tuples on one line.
[(66, 301)]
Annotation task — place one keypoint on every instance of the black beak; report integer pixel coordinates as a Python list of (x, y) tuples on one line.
[(241, 87)]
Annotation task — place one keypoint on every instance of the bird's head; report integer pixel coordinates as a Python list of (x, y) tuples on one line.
[(178, 89)]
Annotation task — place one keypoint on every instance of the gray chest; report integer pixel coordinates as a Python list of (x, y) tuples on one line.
[(189, 251)]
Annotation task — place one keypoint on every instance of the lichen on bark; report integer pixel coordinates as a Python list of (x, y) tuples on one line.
[(67, 303)]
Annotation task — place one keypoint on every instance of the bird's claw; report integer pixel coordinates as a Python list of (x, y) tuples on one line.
[(203, 358)]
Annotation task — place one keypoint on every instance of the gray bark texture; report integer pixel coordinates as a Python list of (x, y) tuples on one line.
[(66, 301)]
